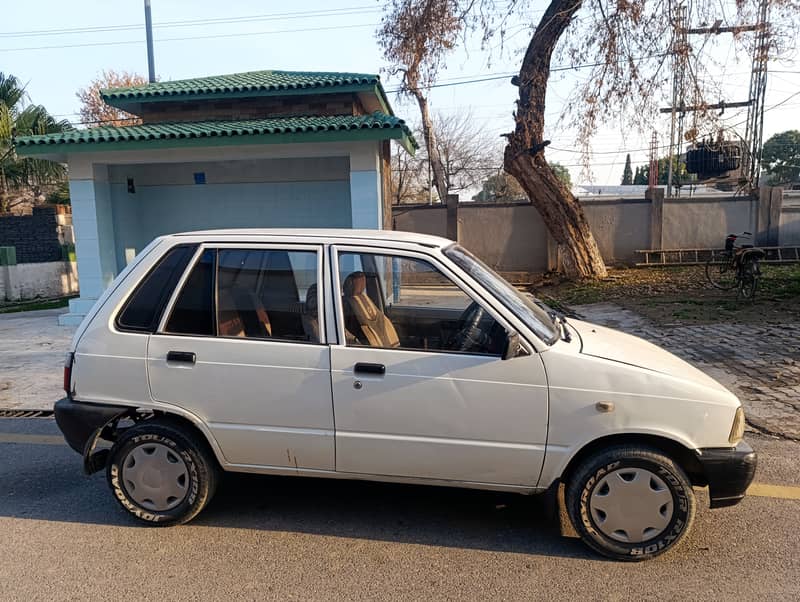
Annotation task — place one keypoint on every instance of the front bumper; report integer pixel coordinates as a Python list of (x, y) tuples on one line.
[(729, 472)]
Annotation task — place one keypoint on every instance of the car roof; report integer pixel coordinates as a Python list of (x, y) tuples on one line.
[(321, 235)]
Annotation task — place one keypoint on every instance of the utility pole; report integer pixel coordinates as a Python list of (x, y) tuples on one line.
[(754, 103), (652, 174), (680, 54), (754, 131), (148, 27)]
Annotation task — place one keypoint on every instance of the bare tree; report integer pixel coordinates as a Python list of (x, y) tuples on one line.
[(467, 155), (94, 111), (624, 42), (415, 37)]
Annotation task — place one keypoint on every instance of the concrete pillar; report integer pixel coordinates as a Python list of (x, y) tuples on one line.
[(453, 229), (656, 198), (93, 225), (366, 187), (770, 205)]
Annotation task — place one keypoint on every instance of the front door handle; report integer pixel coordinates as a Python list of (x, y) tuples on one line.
[(364, 368), (186, 357)]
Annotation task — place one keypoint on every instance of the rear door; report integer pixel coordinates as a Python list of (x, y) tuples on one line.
[(242, 346), (426, 396)]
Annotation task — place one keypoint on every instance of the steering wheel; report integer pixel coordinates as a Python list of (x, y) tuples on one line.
[(469, 333)]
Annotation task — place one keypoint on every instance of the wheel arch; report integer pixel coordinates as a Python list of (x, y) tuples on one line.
[(682, 455)]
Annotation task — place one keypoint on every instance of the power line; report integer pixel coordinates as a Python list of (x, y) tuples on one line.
[(209, 37), (332, 12)]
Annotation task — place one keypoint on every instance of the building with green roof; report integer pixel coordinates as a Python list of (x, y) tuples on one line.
[(259, 149)]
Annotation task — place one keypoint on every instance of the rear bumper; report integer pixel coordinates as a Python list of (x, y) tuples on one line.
[(80, 422), (729, 472)]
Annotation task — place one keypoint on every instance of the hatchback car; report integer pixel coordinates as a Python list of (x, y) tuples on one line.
[(392, 357)]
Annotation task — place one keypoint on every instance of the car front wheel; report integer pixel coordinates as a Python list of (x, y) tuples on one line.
[(630, 503), (161, 473)]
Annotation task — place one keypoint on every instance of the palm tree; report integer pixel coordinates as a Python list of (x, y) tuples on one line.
[(19, 119)]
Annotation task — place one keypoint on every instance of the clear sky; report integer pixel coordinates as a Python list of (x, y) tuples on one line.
[(315, 35)]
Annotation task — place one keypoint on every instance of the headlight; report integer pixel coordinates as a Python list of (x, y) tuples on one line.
[(737, 430)]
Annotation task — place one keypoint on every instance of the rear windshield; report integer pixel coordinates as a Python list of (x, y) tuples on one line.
[(525, 307)]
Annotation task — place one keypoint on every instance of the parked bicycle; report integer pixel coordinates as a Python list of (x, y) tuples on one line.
[(736, 267)]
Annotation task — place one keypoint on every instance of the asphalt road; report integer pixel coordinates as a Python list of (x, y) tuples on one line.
[(63, 537)]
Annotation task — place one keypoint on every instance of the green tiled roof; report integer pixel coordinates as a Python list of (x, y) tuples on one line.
[(242, 84), (329, 128)]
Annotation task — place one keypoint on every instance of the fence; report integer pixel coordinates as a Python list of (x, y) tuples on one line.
[(511, 237)]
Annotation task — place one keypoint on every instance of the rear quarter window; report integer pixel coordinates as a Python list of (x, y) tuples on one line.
[(142, 311)]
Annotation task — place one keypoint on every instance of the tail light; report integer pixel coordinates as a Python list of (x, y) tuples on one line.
[(68, 360)]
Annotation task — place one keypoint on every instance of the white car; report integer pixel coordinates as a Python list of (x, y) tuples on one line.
[(392, 357)]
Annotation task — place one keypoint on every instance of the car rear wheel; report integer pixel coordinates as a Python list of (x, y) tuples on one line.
[(630, 503), (161, 473)]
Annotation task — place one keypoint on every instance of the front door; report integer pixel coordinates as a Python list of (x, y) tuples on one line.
[(241, 347), (420, 388)]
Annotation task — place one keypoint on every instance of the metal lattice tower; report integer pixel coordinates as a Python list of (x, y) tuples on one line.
[(652, 174), (754, 131), (680, 52)]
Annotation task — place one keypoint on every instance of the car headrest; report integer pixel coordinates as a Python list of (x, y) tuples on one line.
[(311, 299), (355, 284)]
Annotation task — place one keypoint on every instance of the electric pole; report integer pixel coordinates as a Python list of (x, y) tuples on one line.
[(148, 28), (755, 102)]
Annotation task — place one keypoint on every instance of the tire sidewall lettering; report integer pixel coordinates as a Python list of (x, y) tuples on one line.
[(665, 539), (118, 489)]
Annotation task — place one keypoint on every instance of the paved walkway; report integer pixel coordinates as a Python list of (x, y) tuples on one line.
[(758, 362), (32, 348)]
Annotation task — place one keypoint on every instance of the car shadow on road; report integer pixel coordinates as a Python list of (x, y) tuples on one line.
[(48, 485)]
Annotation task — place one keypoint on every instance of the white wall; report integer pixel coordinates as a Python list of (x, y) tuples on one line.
[(31, 280)]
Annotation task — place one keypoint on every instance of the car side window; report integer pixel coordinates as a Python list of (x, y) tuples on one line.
[(143, 309), (268, 294), (193, 312), (407, 303), (250, 293)]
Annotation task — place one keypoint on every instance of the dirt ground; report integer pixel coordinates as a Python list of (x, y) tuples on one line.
[(682, 295)]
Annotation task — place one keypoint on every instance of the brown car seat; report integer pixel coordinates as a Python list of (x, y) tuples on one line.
[(241, 314), (310, 317), (363, 318)]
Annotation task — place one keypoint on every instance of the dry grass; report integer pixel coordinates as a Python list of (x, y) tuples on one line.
[(682, 295)]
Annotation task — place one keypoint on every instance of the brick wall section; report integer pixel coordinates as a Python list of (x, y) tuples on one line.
[(250, 108), (35, 236)]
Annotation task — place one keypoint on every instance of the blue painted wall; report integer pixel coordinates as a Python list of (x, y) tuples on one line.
[(155, 210)]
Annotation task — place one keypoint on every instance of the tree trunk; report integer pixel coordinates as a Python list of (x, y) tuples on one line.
[(439, 179), (524, 156)]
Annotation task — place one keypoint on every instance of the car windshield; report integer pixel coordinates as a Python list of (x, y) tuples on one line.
[(526, 307)]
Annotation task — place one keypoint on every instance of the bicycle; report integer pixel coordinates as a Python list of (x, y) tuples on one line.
[(737, 266)]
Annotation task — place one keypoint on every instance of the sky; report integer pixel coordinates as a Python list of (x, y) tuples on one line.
[(56, 47)]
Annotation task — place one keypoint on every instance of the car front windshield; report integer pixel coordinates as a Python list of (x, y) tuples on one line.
[(526, 307)]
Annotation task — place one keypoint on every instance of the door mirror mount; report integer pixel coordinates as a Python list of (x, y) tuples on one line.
[(512, 346)]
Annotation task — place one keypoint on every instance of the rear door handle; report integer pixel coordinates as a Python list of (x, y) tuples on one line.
[(186, 357), (363, 368)]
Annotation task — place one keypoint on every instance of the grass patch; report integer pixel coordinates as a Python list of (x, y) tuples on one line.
[(683, 295), (34, 305)]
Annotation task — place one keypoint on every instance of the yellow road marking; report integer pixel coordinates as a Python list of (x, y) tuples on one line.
[(782, 492), (32, 439)]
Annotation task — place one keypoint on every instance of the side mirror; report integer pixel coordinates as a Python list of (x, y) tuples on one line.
[(512, 346)]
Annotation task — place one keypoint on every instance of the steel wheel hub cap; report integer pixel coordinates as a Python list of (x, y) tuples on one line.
[(631, 505), (155, 476)]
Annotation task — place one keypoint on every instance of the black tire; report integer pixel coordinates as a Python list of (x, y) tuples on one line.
[(185, 449), (591, 475), (748, 283), (720, 271)]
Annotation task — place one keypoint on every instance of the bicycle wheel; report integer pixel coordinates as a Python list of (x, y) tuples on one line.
[(748, 283), (720, 271)]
